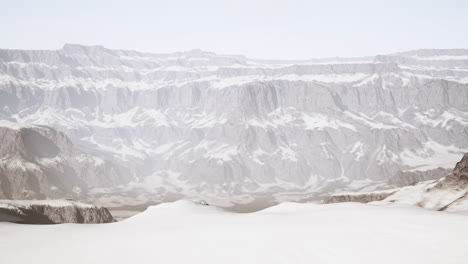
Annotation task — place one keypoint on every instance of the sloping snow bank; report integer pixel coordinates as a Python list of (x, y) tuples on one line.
[(183, 232)]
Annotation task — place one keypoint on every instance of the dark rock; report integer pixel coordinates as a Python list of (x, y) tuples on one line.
[(358, 197), (52, 212), (461, 169), (405, 178)]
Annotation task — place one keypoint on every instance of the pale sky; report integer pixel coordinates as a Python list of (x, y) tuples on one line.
[(270, 29)]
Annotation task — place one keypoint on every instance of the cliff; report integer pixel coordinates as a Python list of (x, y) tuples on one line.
[(38, 162), (52, 212), (225, 125)]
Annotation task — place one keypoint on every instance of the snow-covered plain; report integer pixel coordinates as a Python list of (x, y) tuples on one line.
[(184, 232)]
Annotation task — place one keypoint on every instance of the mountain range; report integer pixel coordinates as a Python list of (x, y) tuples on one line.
[(90, 121)]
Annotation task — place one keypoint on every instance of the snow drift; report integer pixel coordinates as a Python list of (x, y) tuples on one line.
[(183, 232)]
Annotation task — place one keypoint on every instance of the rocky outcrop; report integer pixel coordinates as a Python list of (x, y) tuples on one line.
[(358, 197), (461, 169), (37, 162), (457, 184), (449, 193), (52, 212), (405, 178)]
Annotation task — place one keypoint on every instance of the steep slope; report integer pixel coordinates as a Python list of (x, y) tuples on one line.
[(405, 178), (225, 124), (447, 194), (39, 162)]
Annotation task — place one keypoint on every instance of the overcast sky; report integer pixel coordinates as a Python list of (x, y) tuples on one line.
[(295, 29)]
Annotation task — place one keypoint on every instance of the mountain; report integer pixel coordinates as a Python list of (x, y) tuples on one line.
[(196, 122)]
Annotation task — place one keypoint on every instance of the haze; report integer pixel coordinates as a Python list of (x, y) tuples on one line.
[(259, 29)]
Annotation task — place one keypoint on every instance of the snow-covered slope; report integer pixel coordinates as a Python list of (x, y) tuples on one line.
[(183, 232), (447, 194), (227, 125)]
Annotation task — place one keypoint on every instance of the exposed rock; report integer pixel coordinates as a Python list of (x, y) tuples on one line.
[(37, 162), (405, 178), (199, 122), (359, 197), (461, 169), (52, 212), (449, 193), (446, 194)]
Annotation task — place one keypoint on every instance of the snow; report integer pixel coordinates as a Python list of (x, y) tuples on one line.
[(221, 83), (18, 163), (432, 118), (442, 57), (431, 156), (164, 148), (51, 203), (390, 118), (119, 147), (325, 151), (425, 195), (290, 116), (368, 121), (369, 80), (358, 150), (222, 153), (287, 154), (320, 121), (257, 154), (13, 125), (30, 64), (326, 78), (385, 155), (183, 232)]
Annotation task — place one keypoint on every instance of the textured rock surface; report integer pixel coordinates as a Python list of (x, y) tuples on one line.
[(405, 178), (359, 197), (446, 194), (52, 212), (224, 125), (461, 169), (39, 162)]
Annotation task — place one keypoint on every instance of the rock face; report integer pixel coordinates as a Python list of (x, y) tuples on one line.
[(52, 212), (359, 197), (225, 124), (405, 178), (449, 193), (38, 162), (460, 172)]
